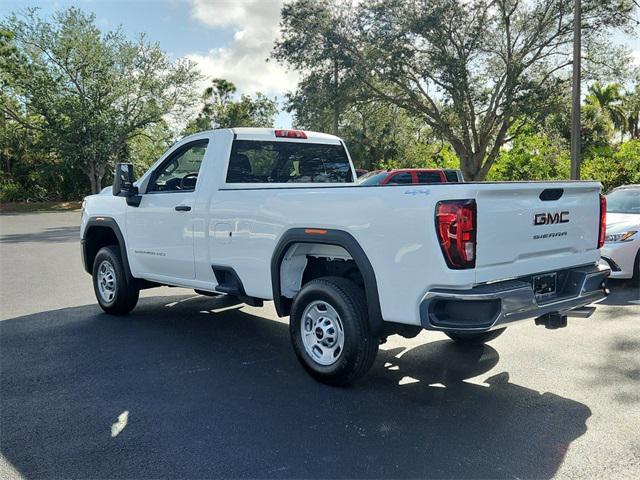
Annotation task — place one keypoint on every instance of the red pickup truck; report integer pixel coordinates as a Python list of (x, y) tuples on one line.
[(405, 176)]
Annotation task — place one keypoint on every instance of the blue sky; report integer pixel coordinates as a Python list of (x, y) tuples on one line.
[(227, 38)]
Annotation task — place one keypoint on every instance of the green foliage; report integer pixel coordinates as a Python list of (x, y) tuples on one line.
[(614, 168), (470, 71), (220, 110), (10, 191), (533, 156), (312, 43), (148, 146), (91, 92), (608, 100), (479, 85)]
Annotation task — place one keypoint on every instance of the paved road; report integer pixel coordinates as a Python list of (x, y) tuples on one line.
[(185, 388)]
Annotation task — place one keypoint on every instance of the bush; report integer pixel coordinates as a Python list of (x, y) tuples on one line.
[(532, 156), (10, 191)]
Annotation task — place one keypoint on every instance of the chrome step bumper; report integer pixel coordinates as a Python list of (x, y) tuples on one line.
[(492, 305)]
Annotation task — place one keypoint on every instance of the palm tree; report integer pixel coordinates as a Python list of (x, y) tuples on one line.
[(608, 99)]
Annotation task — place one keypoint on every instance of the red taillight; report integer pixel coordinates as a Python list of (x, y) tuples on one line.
[(456, 227), (602, 232), (291, 134)]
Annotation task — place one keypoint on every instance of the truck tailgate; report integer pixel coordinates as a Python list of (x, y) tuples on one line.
[(526, 228)]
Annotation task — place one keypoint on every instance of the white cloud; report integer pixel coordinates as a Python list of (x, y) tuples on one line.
[(635, 55), (244, 61)]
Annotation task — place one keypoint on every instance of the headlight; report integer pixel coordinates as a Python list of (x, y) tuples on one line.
[(620, 237)]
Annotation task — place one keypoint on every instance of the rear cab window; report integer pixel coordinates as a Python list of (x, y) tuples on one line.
[(452, 176), (255, 161), (429, 177), (402, 178)]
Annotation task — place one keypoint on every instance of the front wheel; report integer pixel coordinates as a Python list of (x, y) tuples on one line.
[(473, 338), (330, 331), (114, 292)]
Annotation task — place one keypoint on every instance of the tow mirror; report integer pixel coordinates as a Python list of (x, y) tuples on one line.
[(123, 180), (123, 184)]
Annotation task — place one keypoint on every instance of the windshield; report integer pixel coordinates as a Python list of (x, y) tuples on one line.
[(372, 178), (626, 200)]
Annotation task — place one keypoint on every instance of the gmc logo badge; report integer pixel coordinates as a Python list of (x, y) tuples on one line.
[(550, 218)]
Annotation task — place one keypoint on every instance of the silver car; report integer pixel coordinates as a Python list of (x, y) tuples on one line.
[(622, 244)]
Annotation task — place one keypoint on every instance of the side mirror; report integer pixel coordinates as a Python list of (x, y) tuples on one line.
[(123, 180)]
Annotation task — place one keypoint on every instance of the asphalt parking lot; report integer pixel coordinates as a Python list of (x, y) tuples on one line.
[(184, 387)]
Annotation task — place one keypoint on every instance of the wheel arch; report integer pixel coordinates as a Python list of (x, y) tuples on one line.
[(99, 232), (333, 237)]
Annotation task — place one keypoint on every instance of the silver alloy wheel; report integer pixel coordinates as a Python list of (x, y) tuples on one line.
[(322, 333), (106, 281)]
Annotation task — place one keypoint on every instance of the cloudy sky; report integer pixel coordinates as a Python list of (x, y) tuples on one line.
[(227, 38)]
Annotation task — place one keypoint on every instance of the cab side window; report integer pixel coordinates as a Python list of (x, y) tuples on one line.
[(429, 177), (179, 172), (402, 178)]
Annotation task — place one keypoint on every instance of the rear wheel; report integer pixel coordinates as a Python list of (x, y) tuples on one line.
[(473, 338), (114, 292), (635, 281), (330, 331)]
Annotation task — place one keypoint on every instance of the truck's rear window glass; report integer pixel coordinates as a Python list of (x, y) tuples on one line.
[(402, 178), (452, 176), (288, 162), (429, 177)]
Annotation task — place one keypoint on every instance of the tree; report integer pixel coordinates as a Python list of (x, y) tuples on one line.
[(474, 72), (221, 110), (311, 43), (535, 154), (631, 104), (608, 99), (92, 91)]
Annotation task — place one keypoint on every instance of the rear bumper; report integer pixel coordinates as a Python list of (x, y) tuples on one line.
[(492, 305)]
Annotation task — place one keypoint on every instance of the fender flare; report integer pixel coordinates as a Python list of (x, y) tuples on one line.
[(108, 222), (331, 237)]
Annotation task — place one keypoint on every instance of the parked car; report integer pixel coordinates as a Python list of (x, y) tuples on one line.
[(405, 176), (621, 250), (263, 214)]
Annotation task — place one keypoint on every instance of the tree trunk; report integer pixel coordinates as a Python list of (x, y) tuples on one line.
[(95, 183), (95, 175)]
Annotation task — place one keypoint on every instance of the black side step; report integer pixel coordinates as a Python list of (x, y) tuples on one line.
[(228, 281)]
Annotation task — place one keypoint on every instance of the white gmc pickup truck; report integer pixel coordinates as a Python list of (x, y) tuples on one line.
[(263, 214)]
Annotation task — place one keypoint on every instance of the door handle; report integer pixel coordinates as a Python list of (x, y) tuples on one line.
[(183, 208)]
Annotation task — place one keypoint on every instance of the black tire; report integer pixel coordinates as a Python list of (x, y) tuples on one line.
[(125, 295), (635, 280), (472, 338), (360, 345)]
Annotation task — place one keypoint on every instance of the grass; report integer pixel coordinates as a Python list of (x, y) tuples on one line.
[(40, 206)]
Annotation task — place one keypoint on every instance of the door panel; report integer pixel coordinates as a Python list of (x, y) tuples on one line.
[(161, 228), (160, 238)]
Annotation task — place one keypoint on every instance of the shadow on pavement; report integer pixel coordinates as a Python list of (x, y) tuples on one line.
[(48, 235), (622, 292), (170, 392), (619, 369)]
